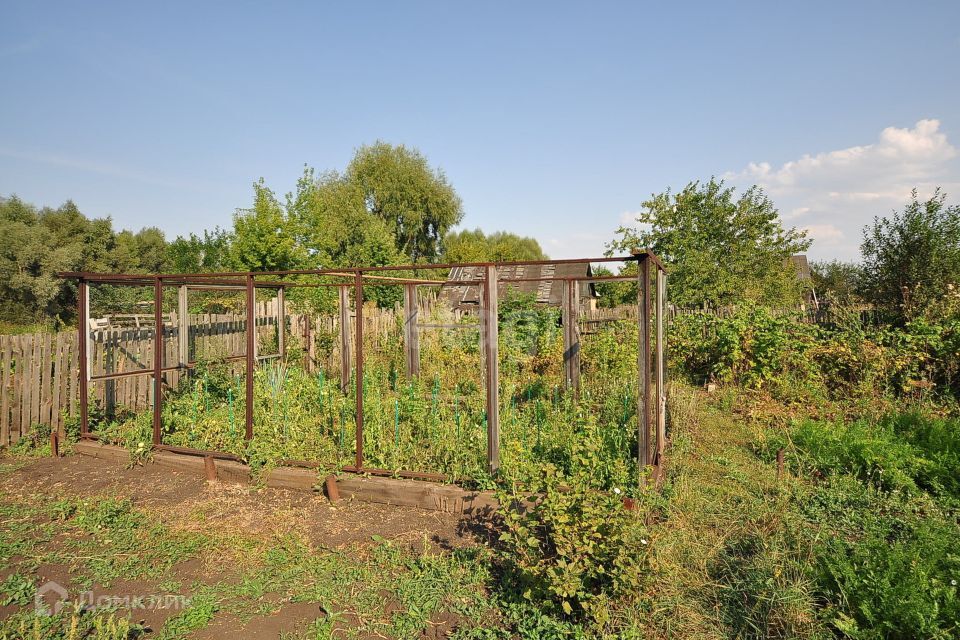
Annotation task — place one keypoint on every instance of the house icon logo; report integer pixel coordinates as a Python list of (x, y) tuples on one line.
[(50, 599)]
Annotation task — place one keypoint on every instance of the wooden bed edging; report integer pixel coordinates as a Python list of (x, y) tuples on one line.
[(393, 491)]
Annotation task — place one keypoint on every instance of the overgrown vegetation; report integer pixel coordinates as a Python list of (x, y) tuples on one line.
[(434, 423)]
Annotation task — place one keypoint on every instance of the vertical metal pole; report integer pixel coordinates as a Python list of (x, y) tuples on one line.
[(659, 358), (491, 348), (647, 386), (643, 368), (83, 335), (157, 358), (344, 338), (411, 335), (358, 302), (571, 336), (183, 326), (282, 324), (251, 356)]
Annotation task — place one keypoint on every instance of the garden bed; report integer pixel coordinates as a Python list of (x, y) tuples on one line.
[(392, 491)]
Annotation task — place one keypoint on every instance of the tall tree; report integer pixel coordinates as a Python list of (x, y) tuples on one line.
[(721, 249), (500, 246), (263, 239), (911, 257), (398, 186)]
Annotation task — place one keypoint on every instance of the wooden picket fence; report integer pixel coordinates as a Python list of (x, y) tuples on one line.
[(39, 382)]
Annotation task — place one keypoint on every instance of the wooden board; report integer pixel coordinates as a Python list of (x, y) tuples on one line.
[(392, 491)]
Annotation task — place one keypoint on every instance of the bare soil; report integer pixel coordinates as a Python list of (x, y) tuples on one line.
[(189, 501)]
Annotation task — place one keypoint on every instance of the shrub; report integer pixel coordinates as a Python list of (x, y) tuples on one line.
[(573, 547)]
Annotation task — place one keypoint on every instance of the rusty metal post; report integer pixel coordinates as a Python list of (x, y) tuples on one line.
[(282, 324), (344, 339), (491, 355), (250, 356), (661, 365), (647, 382), (571, 336), (411, 335), (83, 335), (157, 359), (358, 302)]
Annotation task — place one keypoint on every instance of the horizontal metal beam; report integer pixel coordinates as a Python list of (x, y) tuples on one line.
[(186, 278)]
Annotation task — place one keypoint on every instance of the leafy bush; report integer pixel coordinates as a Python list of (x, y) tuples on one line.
[(752, 347), (575, 547), (759, 348), (907, 452)]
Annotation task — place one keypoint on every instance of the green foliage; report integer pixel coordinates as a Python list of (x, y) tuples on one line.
[(69, 624), (912, 258), (398, 186), (193, 254), (196, 616), (500, 246), (262, 237), (887, 565), (434, 423), (37, 243), (753, 346), (573, 545), (906, 452), (836, 281), (17, 589), (720, 249), (760, 348)]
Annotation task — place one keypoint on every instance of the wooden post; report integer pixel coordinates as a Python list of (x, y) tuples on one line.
[(282, 324), (643, 367), (345, 339), (411, 335), (571, 336), (660, 366), (157, 359), (183, 326), (210, 468), (333, 492), (83, 337), (490, 330), (358, 303)]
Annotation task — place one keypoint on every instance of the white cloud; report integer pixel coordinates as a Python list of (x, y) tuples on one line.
[(629, 219), (835, 193)]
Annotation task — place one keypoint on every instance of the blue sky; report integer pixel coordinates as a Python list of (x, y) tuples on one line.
[(551, 119)]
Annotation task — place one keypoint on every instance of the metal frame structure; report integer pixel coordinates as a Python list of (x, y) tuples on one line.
[(651, 414)]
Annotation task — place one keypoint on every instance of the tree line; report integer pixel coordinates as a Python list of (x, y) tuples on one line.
[(389, 206)]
